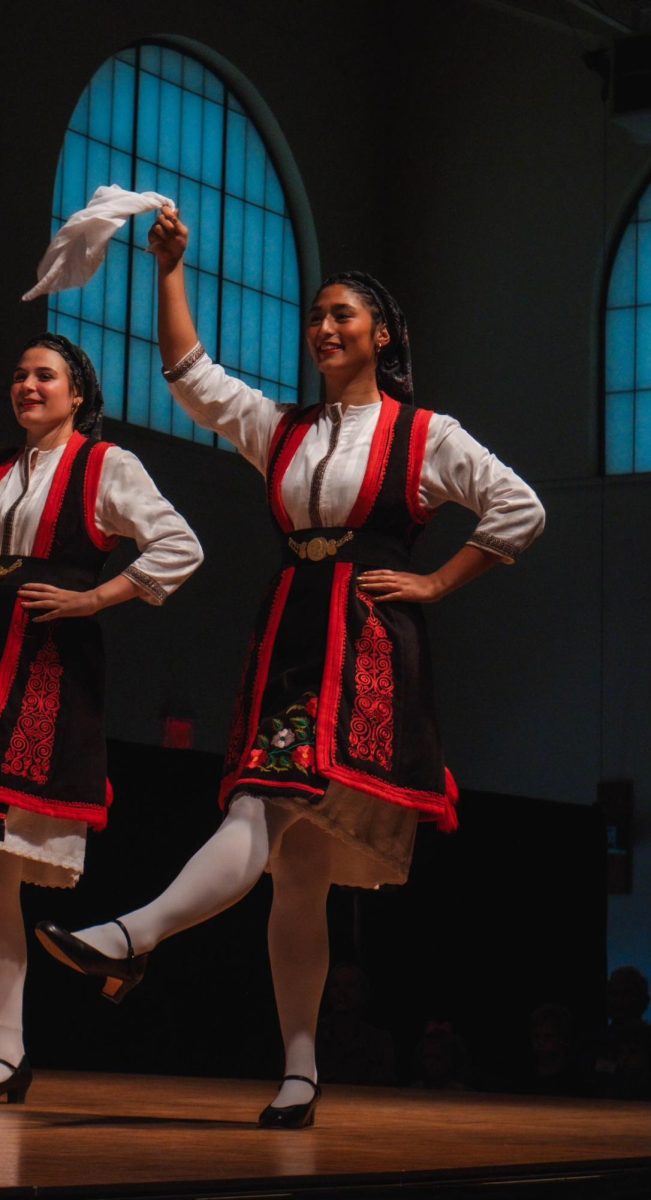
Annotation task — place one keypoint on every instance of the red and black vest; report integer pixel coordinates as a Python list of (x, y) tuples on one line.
[(52, 742)]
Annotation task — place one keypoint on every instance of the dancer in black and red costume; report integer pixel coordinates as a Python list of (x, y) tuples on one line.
[(65, 500), (334, 752)]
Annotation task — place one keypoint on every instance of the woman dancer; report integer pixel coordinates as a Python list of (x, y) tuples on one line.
[(65, 499), (334, 752)]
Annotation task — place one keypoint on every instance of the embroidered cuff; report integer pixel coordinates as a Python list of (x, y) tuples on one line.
[(182, 367), (496, 545), (156, 594)]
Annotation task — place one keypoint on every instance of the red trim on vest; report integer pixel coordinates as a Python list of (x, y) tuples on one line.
[(280, 430), (41, 549), (92, 478), (93, 816), (29, 753), (331, 685), (417, 445), (11, 652), (264, 659), (377, 463), (5, 467), (287, 452), (47, 525)]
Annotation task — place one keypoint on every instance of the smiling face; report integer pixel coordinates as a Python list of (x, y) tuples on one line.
[(42, 396), (343, 336)]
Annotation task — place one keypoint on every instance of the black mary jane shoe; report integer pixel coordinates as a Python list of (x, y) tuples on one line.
[(120, 974), (16, 1087), (293, 1116)]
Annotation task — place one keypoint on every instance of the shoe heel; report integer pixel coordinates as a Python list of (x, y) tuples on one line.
[(17, 1095), (116, 989)]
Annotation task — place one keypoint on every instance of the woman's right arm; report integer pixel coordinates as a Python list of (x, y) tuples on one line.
[(177, 336), (212, 398)]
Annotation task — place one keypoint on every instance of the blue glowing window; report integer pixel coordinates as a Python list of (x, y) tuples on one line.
[(627, 365), (154, 119)]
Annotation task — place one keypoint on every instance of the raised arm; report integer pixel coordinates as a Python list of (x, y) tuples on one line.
[(177, 336), (215, 400)]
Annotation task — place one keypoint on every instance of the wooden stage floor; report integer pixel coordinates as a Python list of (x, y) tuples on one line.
[(90, 1135)]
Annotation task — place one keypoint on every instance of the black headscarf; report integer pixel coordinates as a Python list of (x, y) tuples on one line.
[(88, 417), (393, 370)]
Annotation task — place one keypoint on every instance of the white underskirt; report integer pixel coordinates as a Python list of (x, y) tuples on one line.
[(373, 839), (52, 848)]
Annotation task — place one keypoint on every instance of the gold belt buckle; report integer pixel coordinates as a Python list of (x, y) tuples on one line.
[(318, 548), (14, 567)]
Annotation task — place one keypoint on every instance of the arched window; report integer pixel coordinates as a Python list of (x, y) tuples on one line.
[(627, 365), (155, 118)]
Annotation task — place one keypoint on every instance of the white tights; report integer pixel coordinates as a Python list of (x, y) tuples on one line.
[(13, 962), (222, 872)]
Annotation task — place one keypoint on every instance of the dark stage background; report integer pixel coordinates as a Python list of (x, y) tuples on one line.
[(506, 914)]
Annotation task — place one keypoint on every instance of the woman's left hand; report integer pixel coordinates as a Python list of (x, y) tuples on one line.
[(400, 585), (57, 602)]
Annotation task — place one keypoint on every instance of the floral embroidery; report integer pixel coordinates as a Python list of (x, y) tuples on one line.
[(29, 752), (371, 726), (285, 743), (283, 738)]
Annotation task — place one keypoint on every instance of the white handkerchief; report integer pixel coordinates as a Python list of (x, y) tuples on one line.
[(79, 247)]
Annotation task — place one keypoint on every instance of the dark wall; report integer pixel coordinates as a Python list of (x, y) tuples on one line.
[(463, 153)]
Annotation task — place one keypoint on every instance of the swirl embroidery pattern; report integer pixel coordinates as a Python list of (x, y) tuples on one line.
[(29, 752), (371, 725)]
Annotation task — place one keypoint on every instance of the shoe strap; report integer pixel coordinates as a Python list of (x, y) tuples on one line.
[(125, 931), (5, 1063), (302, 1079)]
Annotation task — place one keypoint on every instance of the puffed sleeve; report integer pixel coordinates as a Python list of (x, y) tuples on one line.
[(456, 467), (130, 505), (217, 401)]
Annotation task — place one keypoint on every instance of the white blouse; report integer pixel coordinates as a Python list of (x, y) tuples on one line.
[(455, 466), (128, 505)]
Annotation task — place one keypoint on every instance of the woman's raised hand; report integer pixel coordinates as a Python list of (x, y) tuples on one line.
[(168, 239)]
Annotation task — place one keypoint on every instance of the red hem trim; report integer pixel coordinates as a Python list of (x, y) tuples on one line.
[(96, 818), (438, 806), (50, 515), (5, 467), (264, 659), (92, 478), (377, 463), (11, 652), (287, 452), (417, 444)]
